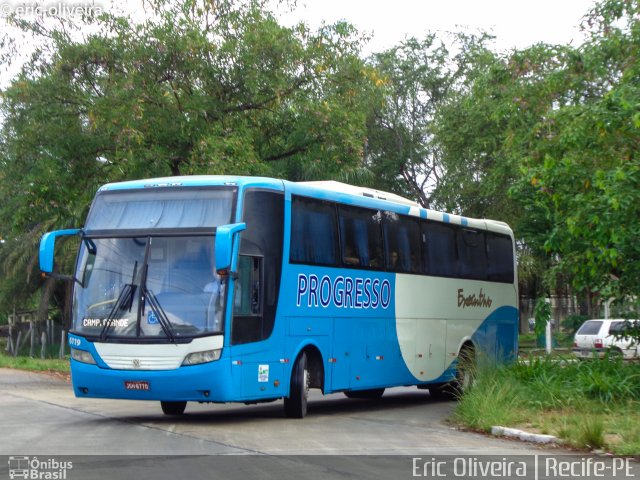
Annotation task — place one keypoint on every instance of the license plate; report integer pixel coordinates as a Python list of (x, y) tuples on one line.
[(137, 385)]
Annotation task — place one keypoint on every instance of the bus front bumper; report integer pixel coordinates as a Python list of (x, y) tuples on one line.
[(208, 382)]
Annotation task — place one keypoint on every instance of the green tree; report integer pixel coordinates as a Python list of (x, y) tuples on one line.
[(419, 77), (584, 170), (487, 128), (197, 88)]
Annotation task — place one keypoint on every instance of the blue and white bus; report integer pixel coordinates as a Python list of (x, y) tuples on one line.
[(245, 289)]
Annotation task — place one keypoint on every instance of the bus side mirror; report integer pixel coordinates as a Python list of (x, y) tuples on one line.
[(48, 246), (225, 236)]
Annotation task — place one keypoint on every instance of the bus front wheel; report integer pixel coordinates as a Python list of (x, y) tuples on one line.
[(173, 408), (295, 406)]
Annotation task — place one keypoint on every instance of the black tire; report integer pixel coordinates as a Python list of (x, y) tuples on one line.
[(465, 377), (295, 406), (614, 354), (466, 370), (173, 408), (373, 394), (443, 392)]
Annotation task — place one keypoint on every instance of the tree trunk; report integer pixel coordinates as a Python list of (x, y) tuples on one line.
[(43, 308)]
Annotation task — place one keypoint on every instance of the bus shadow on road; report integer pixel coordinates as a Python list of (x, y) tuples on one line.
[(319, 407)]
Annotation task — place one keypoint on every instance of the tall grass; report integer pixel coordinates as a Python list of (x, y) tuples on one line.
[(591, 433), (554, 384), (579, 401)]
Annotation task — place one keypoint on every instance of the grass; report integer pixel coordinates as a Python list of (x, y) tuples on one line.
[(23, 362), (591, 405), (34, 364)]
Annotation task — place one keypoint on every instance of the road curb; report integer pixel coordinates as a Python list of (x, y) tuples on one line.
[(524, 436)]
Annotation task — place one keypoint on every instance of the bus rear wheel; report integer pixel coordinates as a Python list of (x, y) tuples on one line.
[(373, 394), (465, 377), (173, 408), (295, 406)]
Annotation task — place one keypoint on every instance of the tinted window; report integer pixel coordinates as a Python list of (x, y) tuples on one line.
[(314, 234), (360, 241), (402, 243), (621, 326), (259, 266), (440, 256), (500, 258), (590, 328), (472, 254)]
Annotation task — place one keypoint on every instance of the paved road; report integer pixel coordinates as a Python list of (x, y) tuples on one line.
[(40, 416)]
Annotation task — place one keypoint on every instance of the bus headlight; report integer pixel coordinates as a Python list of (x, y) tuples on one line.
[(196, 358), (82, 356)]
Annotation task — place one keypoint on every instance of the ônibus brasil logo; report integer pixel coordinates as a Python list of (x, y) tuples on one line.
[(38, 469)]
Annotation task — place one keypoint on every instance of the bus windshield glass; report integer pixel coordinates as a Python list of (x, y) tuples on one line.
[(156, 208), (163, 287)]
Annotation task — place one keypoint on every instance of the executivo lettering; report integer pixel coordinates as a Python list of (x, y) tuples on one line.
[(473, 300)]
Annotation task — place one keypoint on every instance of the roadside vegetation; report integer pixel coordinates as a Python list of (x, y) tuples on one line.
[(24, 362), (589, 404)]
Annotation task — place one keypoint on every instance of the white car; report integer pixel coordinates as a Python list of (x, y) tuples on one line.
[(595, 337)]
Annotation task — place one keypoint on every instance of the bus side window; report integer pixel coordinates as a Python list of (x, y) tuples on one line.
[(248, 287), (360, 239), (314, 233), (473, 254), (259, 263), (402, 243), (440, 253), (247, 301), (500, 258)]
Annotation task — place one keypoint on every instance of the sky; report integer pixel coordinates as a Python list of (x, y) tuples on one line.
[(515, 23)]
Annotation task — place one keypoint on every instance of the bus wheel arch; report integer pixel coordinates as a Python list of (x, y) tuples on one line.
[(316, 367), (307, 372), (466, 366)]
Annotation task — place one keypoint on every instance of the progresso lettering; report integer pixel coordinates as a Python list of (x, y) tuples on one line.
[(343, 292)]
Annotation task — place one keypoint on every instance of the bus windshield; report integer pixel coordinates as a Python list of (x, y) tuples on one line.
[(163, 287)]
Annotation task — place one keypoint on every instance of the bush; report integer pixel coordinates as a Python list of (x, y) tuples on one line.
[(573, 322), (579, 401)]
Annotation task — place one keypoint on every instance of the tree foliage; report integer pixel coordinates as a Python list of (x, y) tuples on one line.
[(545, 138), (583, 172), (419, 77), (197, 88)]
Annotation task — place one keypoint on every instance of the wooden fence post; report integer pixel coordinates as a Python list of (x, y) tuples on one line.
[(63, 343), (43, 348), (32, 332), (18, 342), (10, 347)]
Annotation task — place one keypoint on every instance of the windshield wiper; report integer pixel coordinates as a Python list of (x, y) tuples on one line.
[(164, 322), (125, 298), (123, 302)]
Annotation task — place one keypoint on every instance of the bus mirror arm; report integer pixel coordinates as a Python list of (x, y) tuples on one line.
[(57, 276), (47, 248), (225, 240)]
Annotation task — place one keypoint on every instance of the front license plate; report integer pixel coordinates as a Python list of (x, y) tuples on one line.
[(136, 385)]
